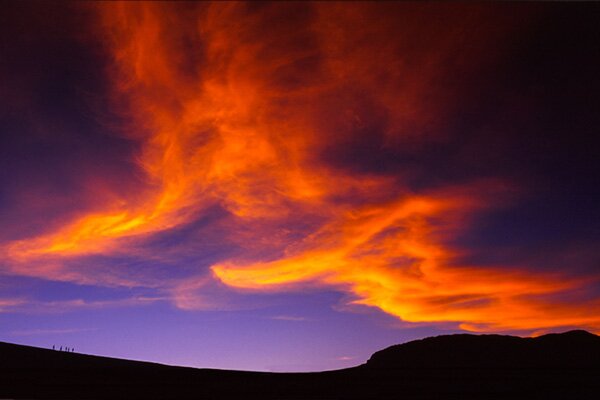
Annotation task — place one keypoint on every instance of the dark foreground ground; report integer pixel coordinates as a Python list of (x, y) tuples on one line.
[(565, 366)]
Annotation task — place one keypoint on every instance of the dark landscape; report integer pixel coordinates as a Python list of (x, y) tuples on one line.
[(461, 366)]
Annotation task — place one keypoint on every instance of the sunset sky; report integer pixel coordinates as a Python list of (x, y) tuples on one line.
[(293, 186)]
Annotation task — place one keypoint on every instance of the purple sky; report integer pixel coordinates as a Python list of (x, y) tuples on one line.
[(293, 186)]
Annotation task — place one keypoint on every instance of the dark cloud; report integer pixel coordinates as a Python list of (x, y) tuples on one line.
[(56, 154)]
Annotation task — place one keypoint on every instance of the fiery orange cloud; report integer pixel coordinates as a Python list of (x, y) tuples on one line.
[(238, 107), (391, 256)]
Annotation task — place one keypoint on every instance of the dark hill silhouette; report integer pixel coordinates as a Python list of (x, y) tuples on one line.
[(565, 366), (574, 349)]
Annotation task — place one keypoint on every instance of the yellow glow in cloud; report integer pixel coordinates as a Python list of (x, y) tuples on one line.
[(390, 257), (235, 108)]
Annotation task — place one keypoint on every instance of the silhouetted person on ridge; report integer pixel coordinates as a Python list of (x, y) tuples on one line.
[(60, 348), (53, 347)]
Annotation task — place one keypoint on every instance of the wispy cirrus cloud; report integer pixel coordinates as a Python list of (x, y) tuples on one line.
[(44, 332), (32, 306), (292, 318), (9, 304), (293, 131)]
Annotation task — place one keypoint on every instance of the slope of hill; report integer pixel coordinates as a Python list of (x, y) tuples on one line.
[(445, 367), (574, 349)]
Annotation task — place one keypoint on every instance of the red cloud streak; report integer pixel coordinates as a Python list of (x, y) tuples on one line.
[(237, 105)]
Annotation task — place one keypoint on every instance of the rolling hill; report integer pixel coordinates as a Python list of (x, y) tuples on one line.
[(458, 366)]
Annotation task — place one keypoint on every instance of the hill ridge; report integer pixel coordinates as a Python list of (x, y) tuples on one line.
[(576, 348), (460, 366)]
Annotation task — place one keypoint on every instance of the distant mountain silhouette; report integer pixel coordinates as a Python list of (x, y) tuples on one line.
[(565, 366), (574, 349)]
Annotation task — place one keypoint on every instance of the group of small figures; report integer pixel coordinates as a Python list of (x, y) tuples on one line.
[(67, 349)]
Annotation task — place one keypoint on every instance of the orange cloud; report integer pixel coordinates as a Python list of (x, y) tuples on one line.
[(241, 126), (391, 256), (240, 107)]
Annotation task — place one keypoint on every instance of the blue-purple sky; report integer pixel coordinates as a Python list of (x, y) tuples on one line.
[(293, 186)]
